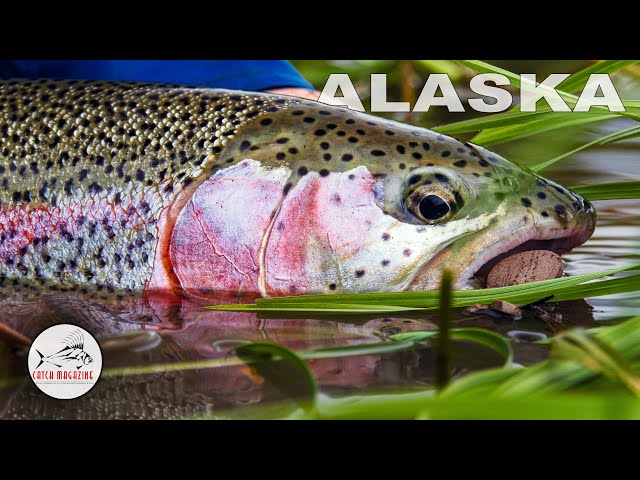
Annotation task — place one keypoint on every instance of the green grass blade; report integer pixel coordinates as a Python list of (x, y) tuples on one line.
[(609, 191), (576, 81), (494, 121), (623, 134), (283, 368), (319, 307), (595, 355), (489, 339), (428, 299), (561, 289), (494, 136)]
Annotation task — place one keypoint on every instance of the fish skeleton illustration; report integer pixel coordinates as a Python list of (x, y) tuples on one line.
[(71, 355), (130, 187)]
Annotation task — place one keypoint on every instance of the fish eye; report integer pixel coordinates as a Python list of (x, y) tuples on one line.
[(433, 196), (433, 207)]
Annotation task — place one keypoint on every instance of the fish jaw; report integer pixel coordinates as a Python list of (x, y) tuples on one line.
[(517, 228)]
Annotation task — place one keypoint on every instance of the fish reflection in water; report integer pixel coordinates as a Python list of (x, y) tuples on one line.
[(160, 330), (139, 330)]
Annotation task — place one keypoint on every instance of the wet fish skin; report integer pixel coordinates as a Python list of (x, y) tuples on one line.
[(86, 168), (115, 186)]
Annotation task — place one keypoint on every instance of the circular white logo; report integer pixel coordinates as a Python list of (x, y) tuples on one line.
[(65, 361)]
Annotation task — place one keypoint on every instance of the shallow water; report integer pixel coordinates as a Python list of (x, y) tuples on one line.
[(160, 338)]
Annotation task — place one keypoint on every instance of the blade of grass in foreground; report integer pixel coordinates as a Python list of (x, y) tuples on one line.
[(565, 288), (577, 80), (609, 191), (616, 136), (492, 136)]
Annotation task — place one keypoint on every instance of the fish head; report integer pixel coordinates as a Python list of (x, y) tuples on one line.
[(319, 199), (87, 359)]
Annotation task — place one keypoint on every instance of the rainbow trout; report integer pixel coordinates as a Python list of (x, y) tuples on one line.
[(132, 187)]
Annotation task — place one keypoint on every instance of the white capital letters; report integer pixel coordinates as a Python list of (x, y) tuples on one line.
[(428, 97), (379, 96), (350, 98), (531, 93), (609, 97), (503, 97)]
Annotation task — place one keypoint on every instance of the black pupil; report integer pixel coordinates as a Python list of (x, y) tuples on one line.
[(432, 207)]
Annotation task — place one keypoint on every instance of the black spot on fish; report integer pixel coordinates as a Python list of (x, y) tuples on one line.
[(293, 151), (324, 146), (400, 149), (441, 178), (324, 172), (446, 153), (266, 121), (407, 252), (282, 140), (347, 157), (320, 132), (350, 121), (353, 140), (542, 195), (297, 113), (560, 209), (416, 155), (544, 214), (385, 263), (286, 188), (386, 236), (302, 171), (280, 156), (327, 156), (244, 145), (460, 163), (483, 163), (359, 273), (308, 119), (332, 286), (413, 179), (402, 166), (526, 202), (378, 153)]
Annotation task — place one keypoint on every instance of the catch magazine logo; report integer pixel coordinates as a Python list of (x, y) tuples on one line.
[(65, 361)]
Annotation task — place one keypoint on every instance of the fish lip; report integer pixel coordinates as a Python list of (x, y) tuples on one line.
[(556, 240)]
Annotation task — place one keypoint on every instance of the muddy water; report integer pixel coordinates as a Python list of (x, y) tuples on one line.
[(169, 358)]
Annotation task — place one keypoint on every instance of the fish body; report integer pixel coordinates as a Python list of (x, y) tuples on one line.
[(130, 187)]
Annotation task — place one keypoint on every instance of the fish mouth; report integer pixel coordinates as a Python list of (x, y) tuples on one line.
[(480, 267), (470, 260)]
